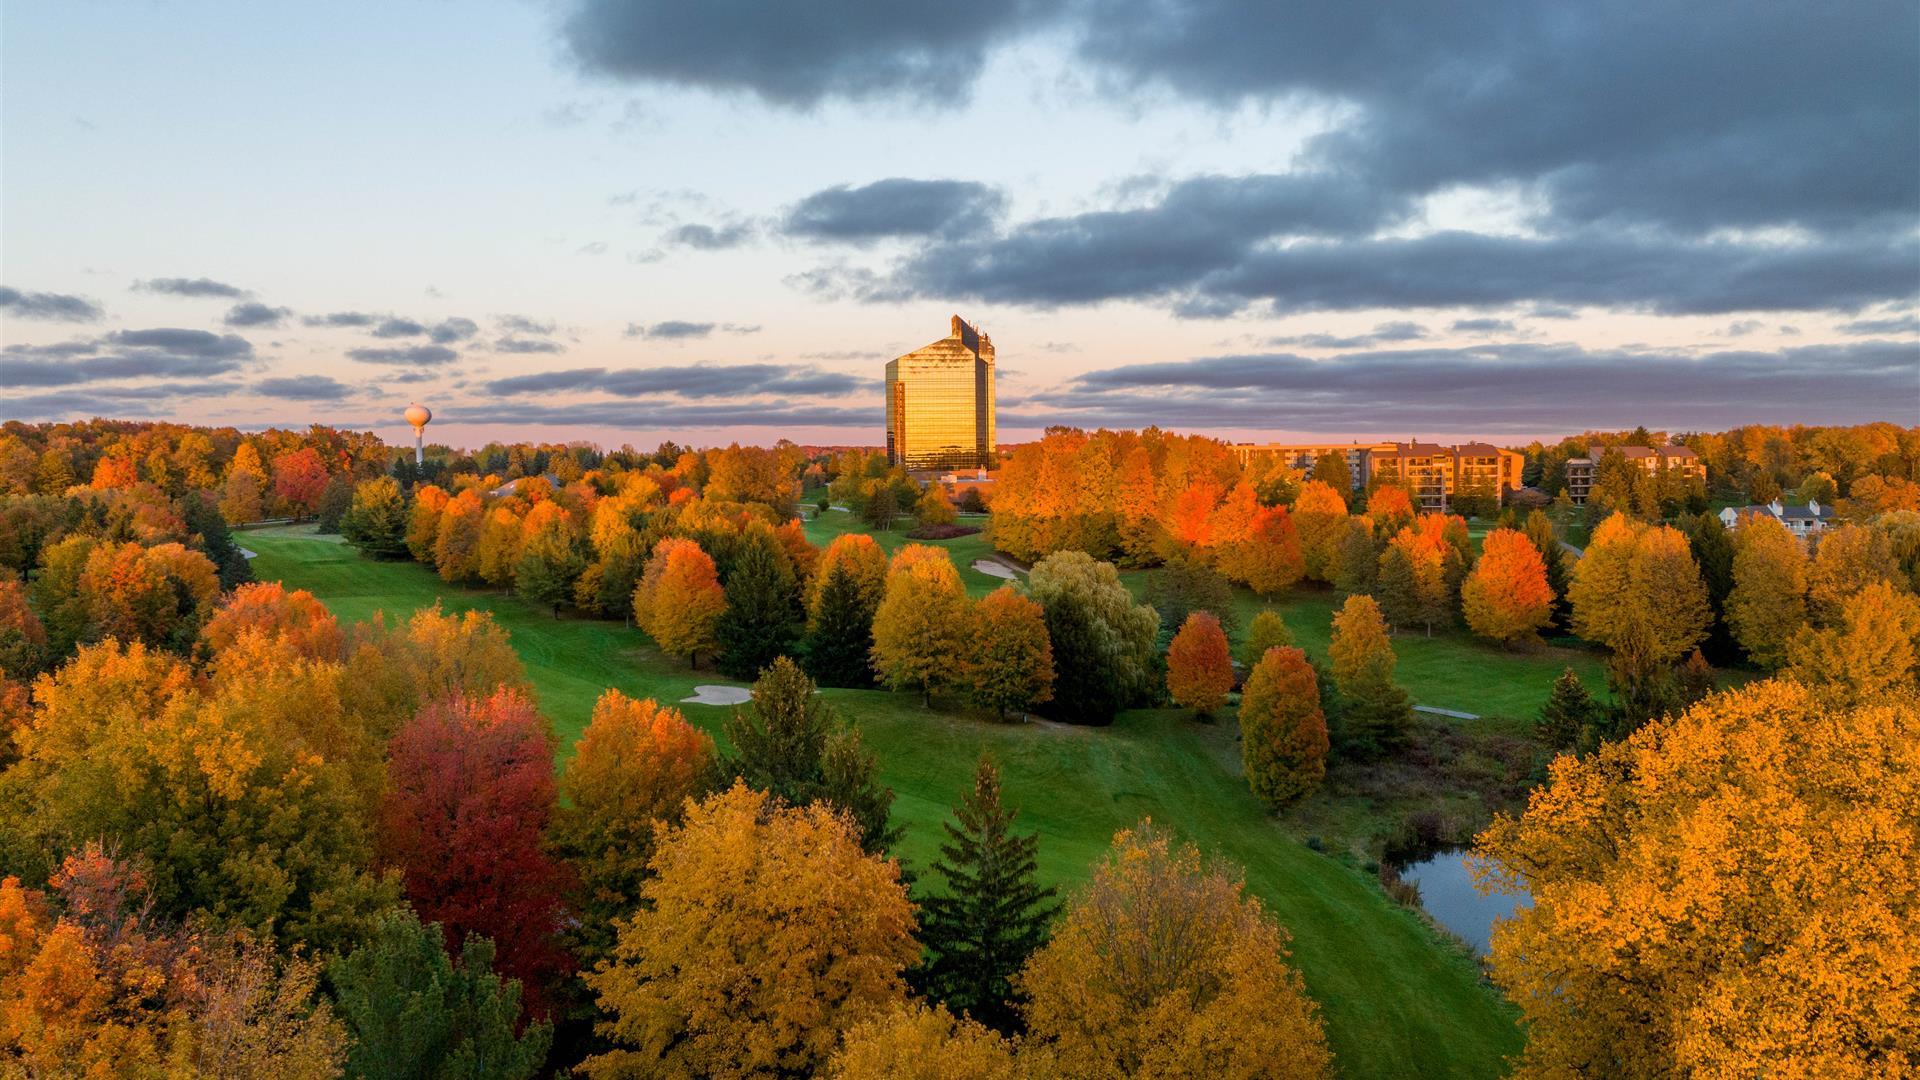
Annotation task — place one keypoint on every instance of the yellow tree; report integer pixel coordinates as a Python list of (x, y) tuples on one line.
[(1163, 967), (1849, 558), (1375, 710), (1506, 597), (498, 553), (1009, 657), (423, 521), (766, 933), (1267, 631), (1729, 892), (862, 559), (456, 543), (920, 630), (1638, 589), (679, 600), (1283, 733), (915, 1042), (1768, 603), (1870, 652), (1199, 665), (1319, 516)]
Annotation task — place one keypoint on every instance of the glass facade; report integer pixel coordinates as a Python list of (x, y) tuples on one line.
[(940, 403)]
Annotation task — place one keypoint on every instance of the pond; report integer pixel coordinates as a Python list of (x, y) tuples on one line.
[(1448, 894)]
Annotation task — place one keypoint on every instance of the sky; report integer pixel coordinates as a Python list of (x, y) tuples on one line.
[(631, 220)]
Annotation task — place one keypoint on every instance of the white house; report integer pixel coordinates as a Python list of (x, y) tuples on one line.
[(1801, 521)]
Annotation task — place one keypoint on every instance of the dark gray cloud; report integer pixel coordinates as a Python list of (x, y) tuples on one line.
[(126, 354), (1898, 324), (795, 54), (54, 307), (195, 287), (692, 381), (527, 345), (895, 207), (406, 355), (394, 326), (662, 414), (671, 330), (303, 388), (353, 319), (448, 331), (254, 313), (1492, 388), (1383, 334), (121, 403), (709, 237), (521, 324), (1483, 326)]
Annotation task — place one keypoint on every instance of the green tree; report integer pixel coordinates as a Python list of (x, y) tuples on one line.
[(1186, 585), (1539, 531), (1331, 469), (994, 912), (1103, 643), (1356, 559), (416, 1015), (1375, 712), (1267, 631), (839, 643), (1569, 712), (792, 746), (762, 620), (1713, 550), (202, 517), (881, 508)]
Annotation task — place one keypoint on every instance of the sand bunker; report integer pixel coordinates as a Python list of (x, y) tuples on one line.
[(996, 568), (719, 695)]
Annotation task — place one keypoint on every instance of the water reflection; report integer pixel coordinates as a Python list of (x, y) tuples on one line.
[(1448, 894)]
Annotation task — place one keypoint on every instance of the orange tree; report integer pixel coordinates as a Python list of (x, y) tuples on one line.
[(1726, 892), (1199, 665), (1507, 597), (1009, 659), (1283, 733), (679, 600)]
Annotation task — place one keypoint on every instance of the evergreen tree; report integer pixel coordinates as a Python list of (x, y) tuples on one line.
[(1539, 530), (762, 619), (1696, 680), (1713, 549), (839, 645), (1375, 712), (1357, 559), (376, 520), (202, 517), (1186, 585), (1644, 688), (792, 747), (416, 1015), (1568, 713), (882, 507), (994, 914), (1398, 587)]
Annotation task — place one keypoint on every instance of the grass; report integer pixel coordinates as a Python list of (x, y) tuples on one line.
[(1398, 1000)]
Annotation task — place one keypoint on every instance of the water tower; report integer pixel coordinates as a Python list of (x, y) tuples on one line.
[(418, 415)]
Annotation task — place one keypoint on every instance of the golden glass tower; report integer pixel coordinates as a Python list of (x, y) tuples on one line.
[(940, 403)]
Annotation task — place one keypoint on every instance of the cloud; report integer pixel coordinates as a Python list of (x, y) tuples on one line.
[(709, 237), (656, 415), (407, 355), (895, 207), (1899, 324), (527, 345), (124, 355), (592, 247), (342, 318), (671, 330), (1491, 388), (54, 307), (195, 287), (693, 381), (303, 388), (1384, 333), (119, 402), (1483, 326), (521, 324), (254, 313), (393, 327), (794, 55), (448, 331)]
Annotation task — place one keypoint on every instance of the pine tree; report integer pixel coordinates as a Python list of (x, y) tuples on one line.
[(882, 507), (762, 619), (994, 914), (840, 643), (1396, 587), (1713, 549), (1569, 712), (1375, 712), (1283, 732), (1357, 559), (1539, 530), (792, 747)]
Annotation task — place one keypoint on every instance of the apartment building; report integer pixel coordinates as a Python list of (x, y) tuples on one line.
[(1303, 456), (1437, 473), (1674, 457)]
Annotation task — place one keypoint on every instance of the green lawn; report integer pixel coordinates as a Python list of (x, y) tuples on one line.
[(1397, 999)]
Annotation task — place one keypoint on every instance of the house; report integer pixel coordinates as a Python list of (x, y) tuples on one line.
[(1801, 521)]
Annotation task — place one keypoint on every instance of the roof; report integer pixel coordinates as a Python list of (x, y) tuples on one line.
[(1787, 512)]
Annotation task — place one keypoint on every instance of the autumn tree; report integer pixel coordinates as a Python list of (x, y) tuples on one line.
[(550, 557), (763, 615), (1633, 962), (1267, 631), (295, 618), (243, 494), (934, 507), (416, 1014), (1538, 529), (1768, 602), (914, 1042), (1283, 732), (632, 771), (1163, 966), (1569, 714), (1849, 558), (423, 521), (1391, 508), (679, 600), (162, 595), (23, 640), (845, 591), (1413, 581), (1009, 658), (1868, 652), (456, 543), (792, 746), (299, 477), (920, 628), (765, 934), (1376, 713), (1319, 519), (994, 912), (464, 820), (1638, 589), (1199, 665), (1103, 643), (1506, 597), (497, 553)]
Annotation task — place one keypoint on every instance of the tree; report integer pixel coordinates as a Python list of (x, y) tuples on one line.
[(1553, 555), (763, 615), (914, 1042), (549, 558), (793, 747), (1283, 733), (632, 772), (498, 552), (1356, 560), (1638, 587), (1848, 559), (1795, 816), (416, 1015), (920, 628), (766, 933), (1199, 665), (1009, 659), (1267, 631), (679, 600), (1161, 967), (1331, 469), (294, 618), (1319, 519), (299, 478), (1103, 643), (1712, 548), (211, 535), (1413, 580), (423, 521), (464, 820), (844, 593), (933, 507), (993, 914), (882, 507), (1375, 712), (162, 595), (1570, 712), (23, 641), (1506, 597), (1869, 652), (456, 543), (1768, 602), (1184, 585), (243, 494)]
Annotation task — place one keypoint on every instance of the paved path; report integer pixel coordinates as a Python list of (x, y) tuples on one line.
[(1450, 714), (718, 695), (246, 554)]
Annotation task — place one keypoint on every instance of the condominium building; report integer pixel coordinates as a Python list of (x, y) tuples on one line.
[(1673, 457), (1303, 456), (1437, 473), (940, 403)]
